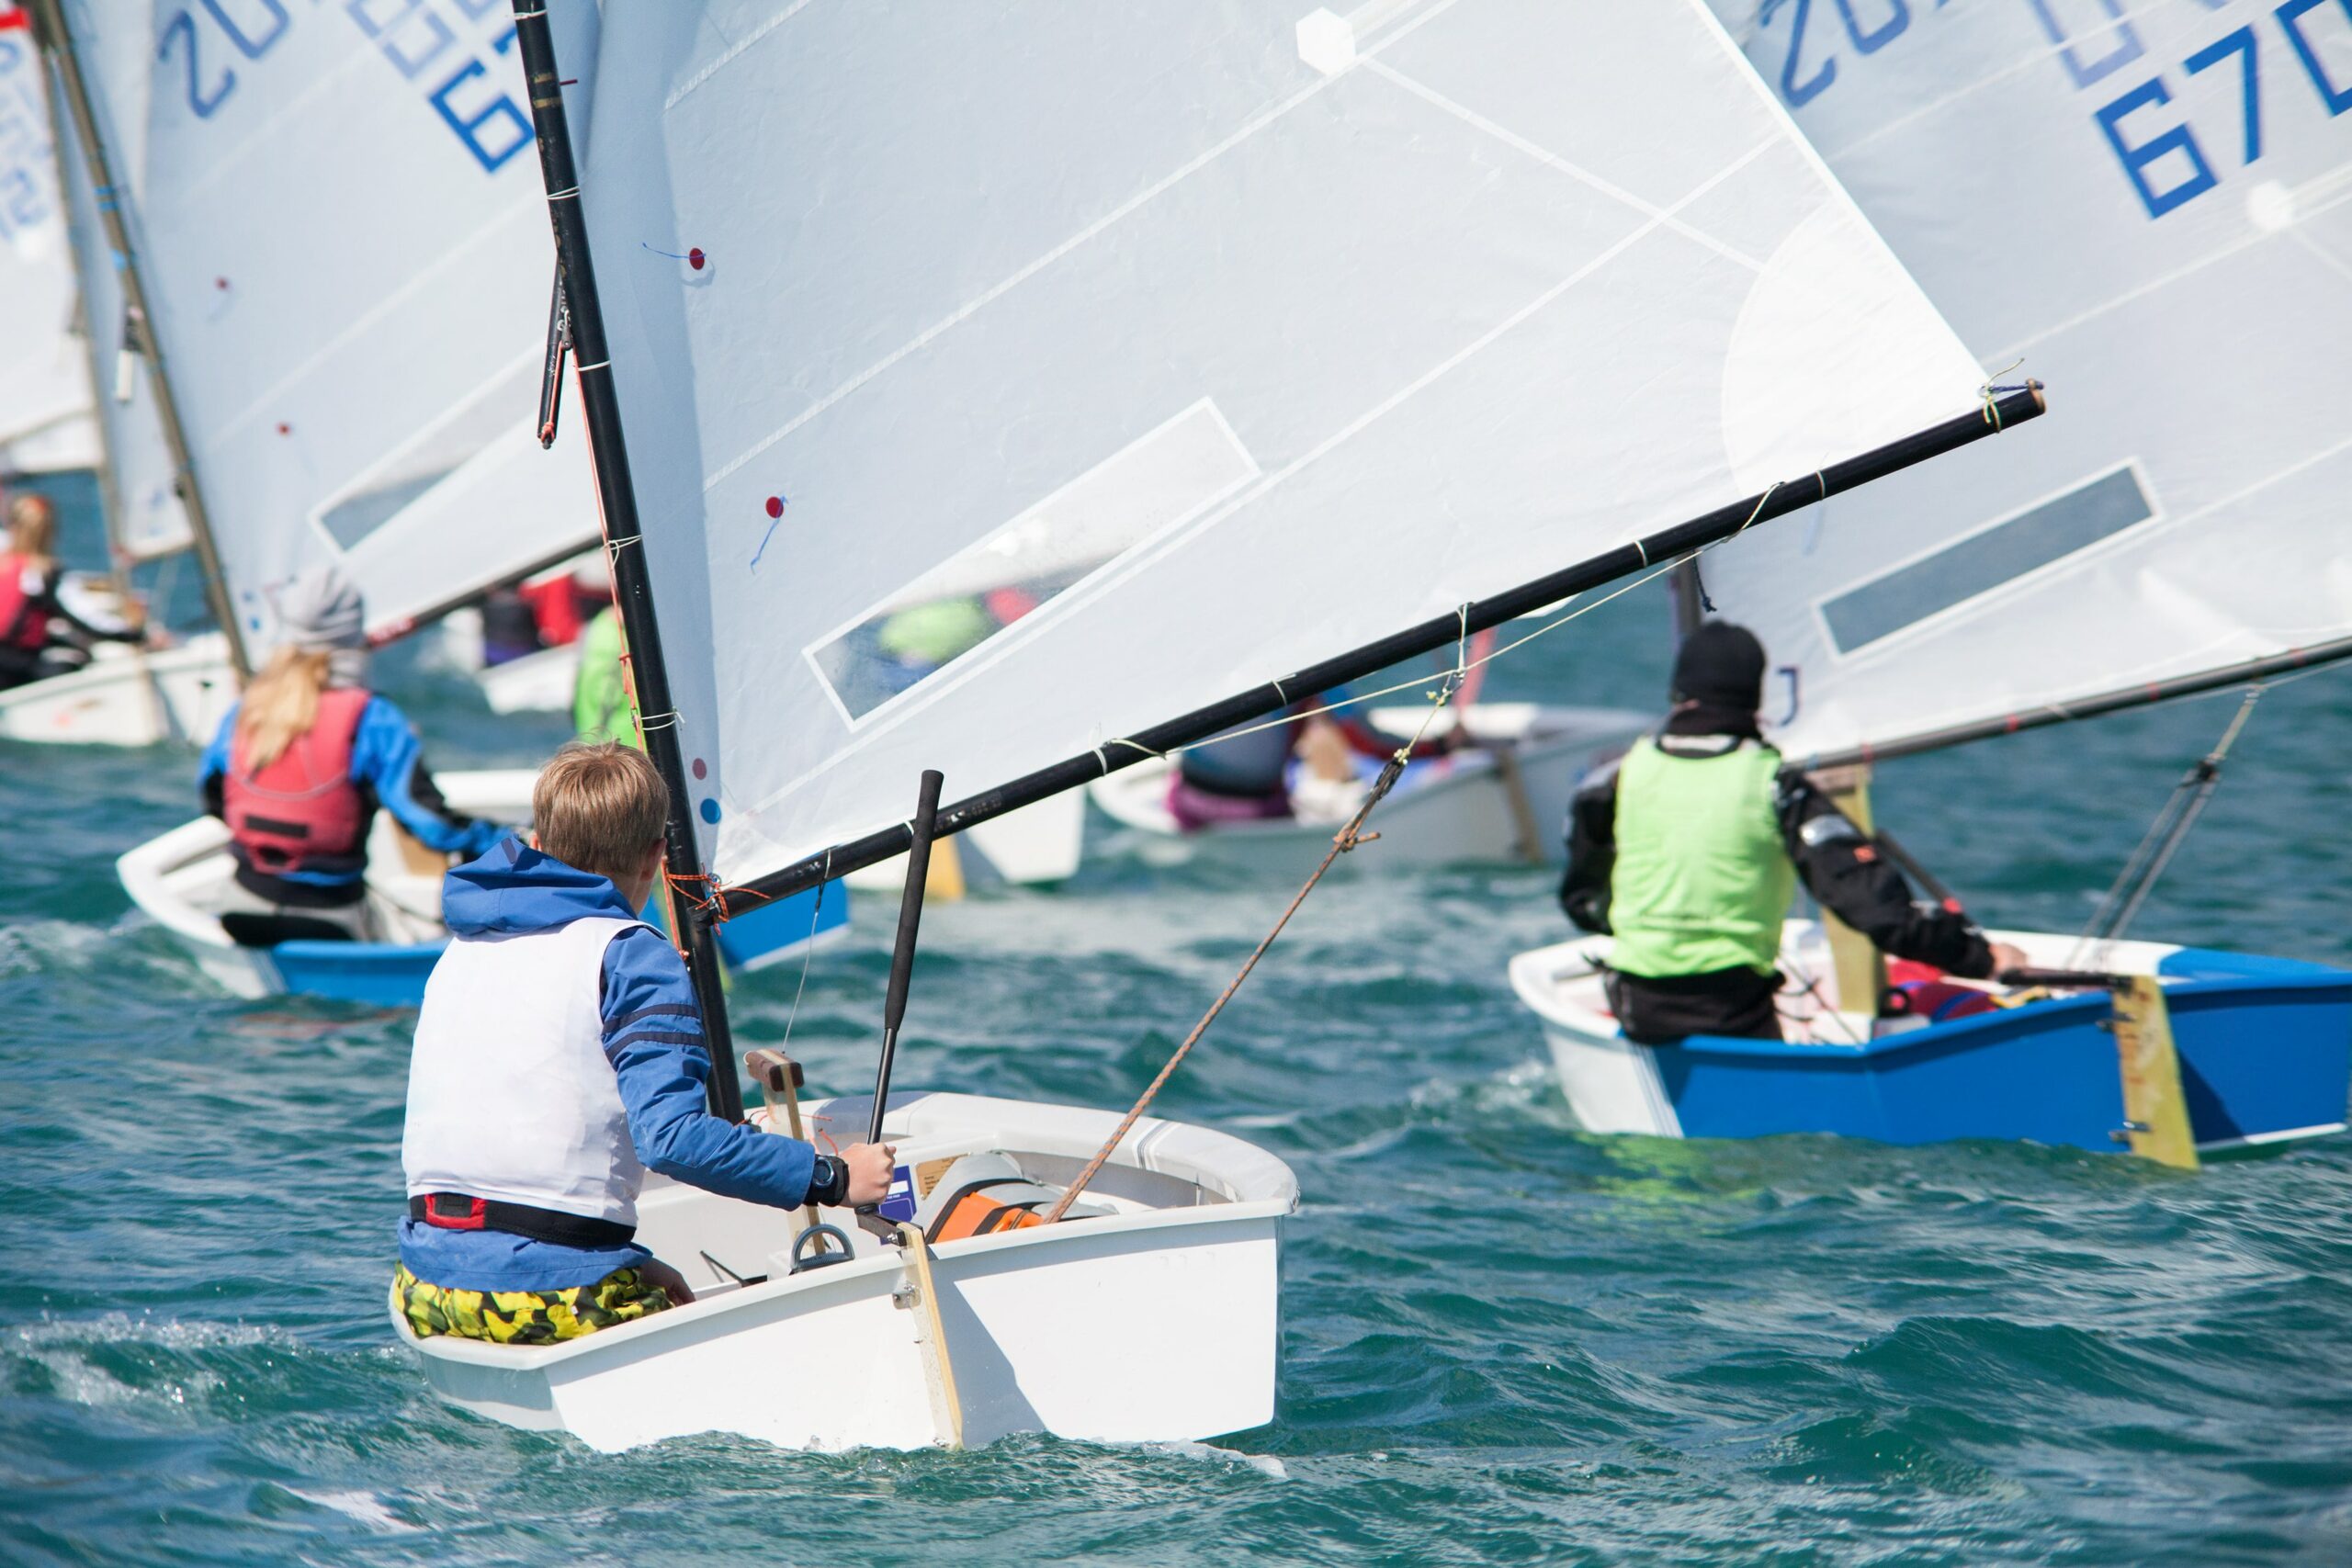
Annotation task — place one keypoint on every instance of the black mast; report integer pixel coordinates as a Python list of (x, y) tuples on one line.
[(632, 587), (50, 32), (2011, 407)]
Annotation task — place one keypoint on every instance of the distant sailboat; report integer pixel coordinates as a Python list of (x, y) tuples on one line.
[(46, 423), (62, 407), (321, 418), (2183, 529), (354, 363), (1310, 332)]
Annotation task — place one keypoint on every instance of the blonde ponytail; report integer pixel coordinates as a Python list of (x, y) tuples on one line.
[(33, 531), (281, 705)]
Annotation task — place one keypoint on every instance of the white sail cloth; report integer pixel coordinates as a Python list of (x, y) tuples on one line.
[(145, 517), (1233, 336), (2153, 206), (346, 252), (45, 418)]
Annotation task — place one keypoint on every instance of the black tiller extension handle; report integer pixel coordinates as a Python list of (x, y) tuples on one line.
[(902, 953)]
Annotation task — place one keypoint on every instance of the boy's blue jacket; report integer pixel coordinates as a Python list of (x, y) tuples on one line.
[(652, 1037)]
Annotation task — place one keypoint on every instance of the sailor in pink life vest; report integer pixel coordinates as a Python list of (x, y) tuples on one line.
[(30, 613), (559, 1057), (299, 766)]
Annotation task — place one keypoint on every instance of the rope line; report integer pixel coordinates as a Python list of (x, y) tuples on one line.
[(808, 951), (1348, 838)]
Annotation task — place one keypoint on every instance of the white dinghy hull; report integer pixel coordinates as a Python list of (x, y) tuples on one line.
[(180, 879), (1157, 1322), (128, 696), (1459, 808)]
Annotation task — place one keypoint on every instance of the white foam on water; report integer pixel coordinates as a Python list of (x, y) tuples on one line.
[(58, 1346), (1264, 1464), (364, 1506)]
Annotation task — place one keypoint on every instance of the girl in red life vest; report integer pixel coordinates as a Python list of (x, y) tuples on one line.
[(29, 613), (298, 768)]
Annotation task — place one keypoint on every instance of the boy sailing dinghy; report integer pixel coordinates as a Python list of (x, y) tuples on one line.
[(2144, 550), (1286, 315)]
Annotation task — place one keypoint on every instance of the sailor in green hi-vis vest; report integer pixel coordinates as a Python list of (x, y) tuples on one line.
[(603, 708), (1690, 850)]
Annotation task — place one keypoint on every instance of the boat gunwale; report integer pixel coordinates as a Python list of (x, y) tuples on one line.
[(714, 1309), (1534, 969)]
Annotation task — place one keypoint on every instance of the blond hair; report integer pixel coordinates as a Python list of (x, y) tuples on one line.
[(281, 705), (33, 530), (599, 808)]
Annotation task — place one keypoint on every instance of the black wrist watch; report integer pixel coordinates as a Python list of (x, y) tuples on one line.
[(829, 1182)]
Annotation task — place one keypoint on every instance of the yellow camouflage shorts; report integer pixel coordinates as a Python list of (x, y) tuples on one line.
[(524, 1317)]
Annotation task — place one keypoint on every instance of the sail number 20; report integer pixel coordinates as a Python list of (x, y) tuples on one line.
[(202, 45)]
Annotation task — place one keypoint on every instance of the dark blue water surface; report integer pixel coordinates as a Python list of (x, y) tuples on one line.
[(1503, 1340)]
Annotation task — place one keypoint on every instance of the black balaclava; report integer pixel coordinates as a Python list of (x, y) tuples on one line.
[(1718, 682)]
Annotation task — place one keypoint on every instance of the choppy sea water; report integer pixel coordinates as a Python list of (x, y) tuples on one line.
[(1503, 1340)]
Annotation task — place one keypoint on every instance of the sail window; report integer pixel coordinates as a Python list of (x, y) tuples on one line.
[(1161, 480), (1988, 559)]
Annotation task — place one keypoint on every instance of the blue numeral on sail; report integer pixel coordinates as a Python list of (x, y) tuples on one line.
[(2240, 42), (469, 131), (2290, 17), (2137, 159)]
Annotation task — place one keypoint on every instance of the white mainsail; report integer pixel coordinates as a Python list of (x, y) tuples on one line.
[(145, 517), (1000, 380), (45, 418), (339, 224), (2152, 206)]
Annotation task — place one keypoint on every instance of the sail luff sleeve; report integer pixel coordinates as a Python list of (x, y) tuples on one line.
[(2000, 412)]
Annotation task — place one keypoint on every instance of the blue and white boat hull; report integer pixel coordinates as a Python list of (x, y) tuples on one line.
[(178, 879), (2265, 1047)]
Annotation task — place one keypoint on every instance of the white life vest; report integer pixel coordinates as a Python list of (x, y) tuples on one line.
[(510, 1097)]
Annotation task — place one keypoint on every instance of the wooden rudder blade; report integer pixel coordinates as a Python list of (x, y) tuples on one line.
[(2155, 1109)]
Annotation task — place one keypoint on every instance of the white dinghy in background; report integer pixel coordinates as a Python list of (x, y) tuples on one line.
[(180, 879), (128, 696), (1158, 1321), (53, 346), (1085, 455), (1502, 798)]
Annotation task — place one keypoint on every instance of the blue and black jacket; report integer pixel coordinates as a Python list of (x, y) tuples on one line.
[(653, 1038)]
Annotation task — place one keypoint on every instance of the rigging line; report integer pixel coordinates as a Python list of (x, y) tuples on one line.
[(1346, 839), (808, 951), (1993, 409), (1811, 987), (2137, 880)]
